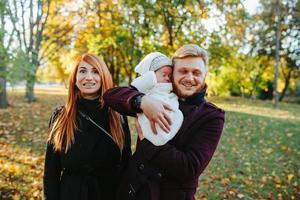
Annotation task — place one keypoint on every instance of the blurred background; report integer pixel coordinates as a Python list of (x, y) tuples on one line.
[(254, 75)]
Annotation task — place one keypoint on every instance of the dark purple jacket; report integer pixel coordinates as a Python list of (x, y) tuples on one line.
[(171, 171)]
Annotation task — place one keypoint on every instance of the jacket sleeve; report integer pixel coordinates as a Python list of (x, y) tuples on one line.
[(127, 148), (145, 82), (52, 172), (119, 99), (188, 163), (52, 166)]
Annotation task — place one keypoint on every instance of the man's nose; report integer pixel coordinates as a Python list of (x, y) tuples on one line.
[(189, 77)]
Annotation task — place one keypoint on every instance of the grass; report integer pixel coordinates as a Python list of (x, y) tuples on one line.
[(257, 158)]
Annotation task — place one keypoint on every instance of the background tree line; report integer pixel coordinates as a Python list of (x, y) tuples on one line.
[(40, 38)]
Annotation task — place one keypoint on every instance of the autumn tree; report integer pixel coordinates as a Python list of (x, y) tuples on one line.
[(264, 42), (111, 30), (57, 50), (232, 70), (29, 18), (5, 42), (172, 22), (123, 31)]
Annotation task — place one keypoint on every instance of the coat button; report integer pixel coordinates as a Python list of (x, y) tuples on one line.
[(141, 167), (159, 175), (130, 193)]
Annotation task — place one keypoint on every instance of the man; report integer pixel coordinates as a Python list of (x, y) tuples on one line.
[(171, 171)]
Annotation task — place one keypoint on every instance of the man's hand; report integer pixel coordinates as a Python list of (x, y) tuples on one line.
[(156, 112), (139, 129)]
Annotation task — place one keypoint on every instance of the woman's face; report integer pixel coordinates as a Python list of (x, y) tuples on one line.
[(88, 80)]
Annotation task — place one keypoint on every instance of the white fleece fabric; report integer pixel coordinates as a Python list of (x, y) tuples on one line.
[(147, 83), (152, 62)]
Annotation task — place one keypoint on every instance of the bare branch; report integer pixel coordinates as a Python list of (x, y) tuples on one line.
[(40, 32), (10, 39), (23, 24), (14, 19), (31, 26), (47, 50)]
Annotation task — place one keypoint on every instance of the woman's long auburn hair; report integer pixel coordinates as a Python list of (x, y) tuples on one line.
[(64, 126)]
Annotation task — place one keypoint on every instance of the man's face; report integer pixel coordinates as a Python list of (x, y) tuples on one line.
[(188, 76)]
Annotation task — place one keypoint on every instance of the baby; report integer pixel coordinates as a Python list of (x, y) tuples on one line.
[(155, 80)]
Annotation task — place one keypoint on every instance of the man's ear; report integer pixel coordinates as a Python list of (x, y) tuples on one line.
[(207, 75)]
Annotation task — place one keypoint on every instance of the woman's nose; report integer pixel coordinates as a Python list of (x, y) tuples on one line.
[(89, 76)]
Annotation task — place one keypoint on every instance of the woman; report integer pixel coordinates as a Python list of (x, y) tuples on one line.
[(83, 161)]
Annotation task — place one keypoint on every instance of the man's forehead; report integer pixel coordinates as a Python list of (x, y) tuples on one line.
[(189, 62)]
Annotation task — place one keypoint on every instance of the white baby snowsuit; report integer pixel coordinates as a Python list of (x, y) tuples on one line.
[(147, 84)]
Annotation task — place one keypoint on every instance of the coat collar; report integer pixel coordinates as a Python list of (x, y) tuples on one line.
[(197, 98), (188, 105)]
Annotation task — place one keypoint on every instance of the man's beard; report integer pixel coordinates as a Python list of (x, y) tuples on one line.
[(181, 94)]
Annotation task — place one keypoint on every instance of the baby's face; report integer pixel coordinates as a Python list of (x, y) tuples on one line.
[(164, 74)]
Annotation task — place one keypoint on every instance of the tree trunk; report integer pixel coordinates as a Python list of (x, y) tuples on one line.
[(275, 92), (170, 31), (286, 84), (29, 94), (3, 96)]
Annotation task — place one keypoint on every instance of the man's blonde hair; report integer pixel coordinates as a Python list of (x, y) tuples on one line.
[(191, 50)]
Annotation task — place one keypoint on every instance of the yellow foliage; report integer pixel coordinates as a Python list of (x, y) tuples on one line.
[(226, 181), (268, 150), (264, 179), (11, 169), (290, 177)]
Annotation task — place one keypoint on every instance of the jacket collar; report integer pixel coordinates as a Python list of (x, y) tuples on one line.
[(197, 98)]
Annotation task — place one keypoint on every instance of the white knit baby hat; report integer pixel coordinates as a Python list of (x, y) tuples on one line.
[(152, 62)]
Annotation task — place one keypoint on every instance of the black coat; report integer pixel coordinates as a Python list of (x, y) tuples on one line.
[(91, 168), (170, 171)]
